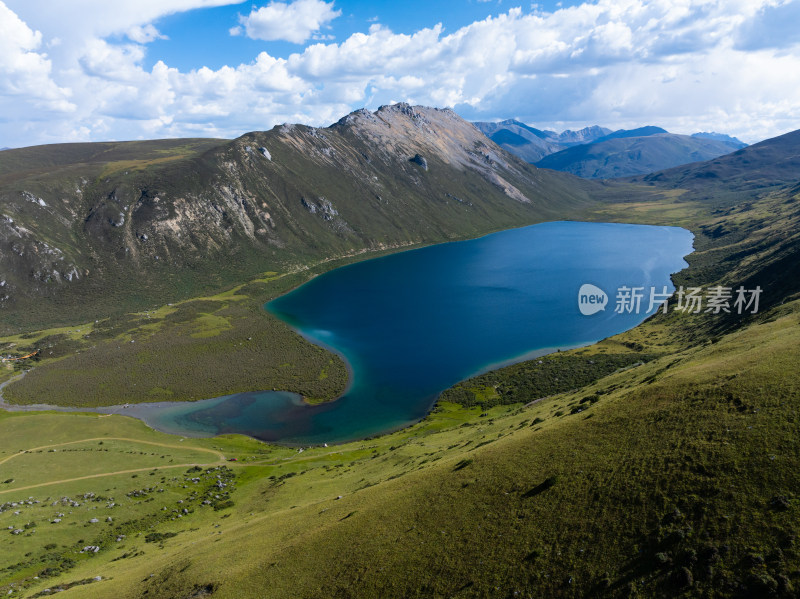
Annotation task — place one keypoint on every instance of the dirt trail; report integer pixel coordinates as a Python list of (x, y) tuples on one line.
[(131, 439), (102, 474), (219, 455)]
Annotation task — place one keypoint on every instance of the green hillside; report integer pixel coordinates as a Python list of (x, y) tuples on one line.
[(90, 230), (51, 159), (676, 477), (662, 462)]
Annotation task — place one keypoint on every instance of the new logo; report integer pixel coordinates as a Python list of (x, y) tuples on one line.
[(591, 299)]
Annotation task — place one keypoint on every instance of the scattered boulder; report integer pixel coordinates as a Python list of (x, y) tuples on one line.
[(541, 488), (324, 206), (417, 159), (310, 206), (327, 209)]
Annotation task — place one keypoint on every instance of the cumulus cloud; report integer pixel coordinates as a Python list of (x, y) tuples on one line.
[(295, 22), (144, 34), (24, 70), (685, 65)]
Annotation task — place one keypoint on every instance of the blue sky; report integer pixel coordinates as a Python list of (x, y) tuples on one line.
[(201, 37), (91, 70)]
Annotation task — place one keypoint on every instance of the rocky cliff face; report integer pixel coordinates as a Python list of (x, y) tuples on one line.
[(91, 225)]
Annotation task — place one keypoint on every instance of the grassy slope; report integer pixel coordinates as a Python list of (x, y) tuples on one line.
[(217, 213), (22, 163), (226, 336), (678, 478), (687, 461), (194, 349)]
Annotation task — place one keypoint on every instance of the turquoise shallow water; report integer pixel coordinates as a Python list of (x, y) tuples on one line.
[(413, 324)]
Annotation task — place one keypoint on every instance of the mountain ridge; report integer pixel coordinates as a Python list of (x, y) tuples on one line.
[(532, 144), (628, 155), (645, 131), (618, 159), (675, 475), (93, 225), (764, 164), (719, 137)]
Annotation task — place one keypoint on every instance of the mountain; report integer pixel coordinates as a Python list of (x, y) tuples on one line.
[(662, 462), (561, 151), (638, 132), (533, 144), (524, 141), (582, 136), (638, 151), (112, 227), (770, 163), (720, 137)]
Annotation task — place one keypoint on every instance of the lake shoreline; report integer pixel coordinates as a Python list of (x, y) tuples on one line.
[(289, 417)]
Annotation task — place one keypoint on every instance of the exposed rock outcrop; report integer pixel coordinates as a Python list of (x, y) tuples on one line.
[(185, 213), (417, 159)]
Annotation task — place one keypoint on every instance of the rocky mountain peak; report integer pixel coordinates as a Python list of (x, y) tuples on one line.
[(160, 216)]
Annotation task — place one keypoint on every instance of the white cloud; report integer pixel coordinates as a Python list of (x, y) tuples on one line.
[(100, 18), (144, 34), (774, 26), (295, 22), (25, 72), (685, 65)]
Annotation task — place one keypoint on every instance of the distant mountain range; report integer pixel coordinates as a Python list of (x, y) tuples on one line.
[(598, 152), (533, 144), (774, 162), (636, 155)]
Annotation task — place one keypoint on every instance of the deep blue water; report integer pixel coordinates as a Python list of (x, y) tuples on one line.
[(413, 324)]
